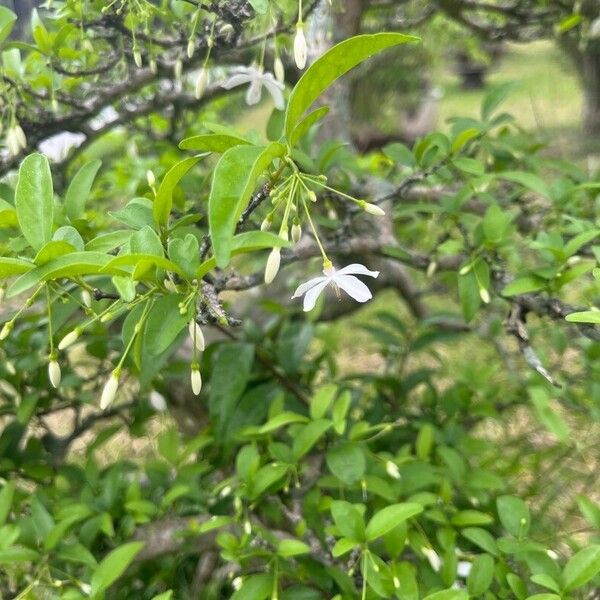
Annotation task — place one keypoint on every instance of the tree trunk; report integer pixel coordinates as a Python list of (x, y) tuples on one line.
[(590, 75)]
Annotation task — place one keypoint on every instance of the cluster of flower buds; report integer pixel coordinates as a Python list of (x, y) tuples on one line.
[(15, 140)]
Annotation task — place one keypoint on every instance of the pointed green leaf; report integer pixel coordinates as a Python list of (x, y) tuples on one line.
[(581, 567), (79, 189), (390, 517), (113, 566)]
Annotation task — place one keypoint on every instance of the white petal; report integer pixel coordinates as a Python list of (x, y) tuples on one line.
[(236, 80), (304, 287), (275, 91), (357, 269), (254, 92), (354, 287), (311, 296)]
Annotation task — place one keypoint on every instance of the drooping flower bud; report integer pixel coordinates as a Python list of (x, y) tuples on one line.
[(54, 373), (312, 196), (484, 295), (110, 391), (284, 234), (20, 136), (153, 66), (266, 224), (196, 380), (157, 401), (201, 83), (69, 339), (150, 178), (190, 48), (296, 233), (196, 335), (12, 143), (86, 298), (392, 470), (5, 331), (431, 268), (178, 69), (137, 57), (273, 263), (279, 70), (372, 209), (300, 47)]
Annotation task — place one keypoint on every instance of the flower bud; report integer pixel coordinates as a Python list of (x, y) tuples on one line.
[(5, 331), (106, 317), (178, 69), (484, 295), (196, 335), (157, 401), (284, 234), (196, 380), (464, 270), (150, 178), (279, 70), (86, 298), (372, 209), (137, 57), (300, 48), (190, 48), (12, 143), (312, 196), (20, 136), (273, 263), (54, 373), (110, 391), (396, 582), (266, 224), (392, 470), (153, 66), (431, 268), (296, 233), (69, 339), (201, 83)]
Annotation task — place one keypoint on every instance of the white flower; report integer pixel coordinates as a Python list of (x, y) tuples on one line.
[(273, 263), (196, 380), (54, 373), (464, 568), (344, 279), (110, 391), (196, 335), (300, 47), (256, 78)]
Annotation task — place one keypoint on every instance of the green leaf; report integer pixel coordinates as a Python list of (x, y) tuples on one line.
[(348, 519), (52, 250), (547, 416), (585, 316), (71, 235), (34, 200), (389, 517), (450, 594), (136, 214), (581, 567), (6, 498), (255, 587), (330, 66), (186, 254), (468, 293), (469, 165), (7, 22), (163, 201), (289, 547), (481, 575), (347, 462), (13, 266), (168, 595), (212, 142), (343, 546), (589, 509), (494, 98), (528, 180), (471, 517), (514, 515), (281, 420), (322, 400), (306, 123), (113, 566), (18, 554), (79, 189), (308, 436), (234, 180), (266, 477), (119, 263), (523, 285), (164, 323), (482, 538), (494, 223), (71, 265), (580, 240)]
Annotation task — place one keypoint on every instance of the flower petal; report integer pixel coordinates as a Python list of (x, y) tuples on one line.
[(273, 87), (311, 296), (357, 269), (254, 92), (304, 287), (354, 287), (236, 80)]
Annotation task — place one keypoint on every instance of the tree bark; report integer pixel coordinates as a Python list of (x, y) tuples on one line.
[(590, 77)]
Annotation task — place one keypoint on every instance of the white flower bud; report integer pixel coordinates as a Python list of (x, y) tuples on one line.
[(190, 48), (86, 298), (69, 339), (12, 143), (237, 583), (157, 401), (396, 582), (431, 268), (247, 527), (137, 57), (110, 391), (178, 69), (284, 234), (266, 224), (312, 196), (392, 470), (150, 178), (279, 70), (54, 373), (196, 335), (5, 331), (296, 233), (466, 269), (196, 380), (300, 47), (201, 83), (484, 295), (10, 367), (595, 29), (20, 136), (273, 263), (433, 557), (153, 66), (372, 209)]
